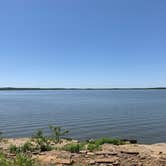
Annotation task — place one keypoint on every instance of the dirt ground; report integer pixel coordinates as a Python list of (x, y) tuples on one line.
[(109, 155)]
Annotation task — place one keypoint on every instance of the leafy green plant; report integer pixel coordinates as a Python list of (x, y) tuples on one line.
[(102, 141), (19, 160), (38, 134), (23, 160), (95, 144), (42, 142), (73, 147), (25, 148), (14, 149), (4, 161), (92, 147), (57, 133)]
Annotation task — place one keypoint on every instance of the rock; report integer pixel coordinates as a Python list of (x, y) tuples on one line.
[(90, 153), (130, 152), (83, 151), (36, 152), (106, 160), (106, 153), (132, 141), (42, 153), (92, 162), (63, 161)]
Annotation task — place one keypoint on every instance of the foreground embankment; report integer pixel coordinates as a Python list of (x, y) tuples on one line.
[(102, 152)]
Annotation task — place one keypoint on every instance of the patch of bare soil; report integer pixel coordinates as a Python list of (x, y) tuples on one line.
[(109, 155)]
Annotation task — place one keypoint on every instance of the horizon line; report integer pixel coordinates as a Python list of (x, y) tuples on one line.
[(42, 88)]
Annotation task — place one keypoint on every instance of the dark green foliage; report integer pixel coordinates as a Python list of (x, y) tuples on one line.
[(57, 133), (25, 148), (73, 147), (95, 144), (92, 147), (102, 141), (4, 161), (19, 160), (23, 160), (14, 149), (42, 142), (38, 134)]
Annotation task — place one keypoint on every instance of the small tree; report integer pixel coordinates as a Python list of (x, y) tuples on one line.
[(57, 133), (41, 141), (38, 134)]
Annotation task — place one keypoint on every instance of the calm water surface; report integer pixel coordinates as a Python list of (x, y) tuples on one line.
[(87, 114)]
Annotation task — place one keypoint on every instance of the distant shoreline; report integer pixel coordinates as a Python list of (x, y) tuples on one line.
[(13, 88)]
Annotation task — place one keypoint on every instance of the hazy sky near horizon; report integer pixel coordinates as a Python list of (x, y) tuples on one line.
[(83, 43)]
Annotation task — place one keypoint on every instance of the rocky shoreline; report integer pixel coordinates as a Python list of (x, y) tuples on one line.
[(107, 155)]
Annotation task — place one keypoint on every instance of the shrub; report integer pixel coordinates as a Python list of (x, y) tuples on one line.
[(92, 147), (4, 161), (57, 133), (27, 147), (19, 160), (23, 160), (14, 149), (42, 142), (102, 141), (95, 144), (38, 134), (73, 147)]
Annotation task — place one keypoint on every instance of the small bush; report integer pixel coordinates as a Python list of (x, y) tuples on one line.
[(95, 144), (14, 149), (27, 147), (102, 141), (4, 161), (23, 160), (92, 147), (43, 145), (42, 142), (73, 147), (57, 133), (19, 160), (38, 134)]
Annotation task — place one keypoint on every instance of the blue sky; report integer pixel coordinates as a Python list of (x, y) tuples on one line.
[(83, 43)]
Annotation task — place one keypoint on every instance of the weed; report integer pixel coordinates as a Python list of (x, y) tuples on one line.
[(57, 133), (92, 147), (73, 147)]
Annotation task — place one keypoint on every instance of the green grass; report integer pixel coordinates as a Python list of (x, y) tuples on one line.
[(73, 147), (19, 160), (14, 149), (25, 148), (42, 142), (23, 160), (92, 147), (4, 161), (95, 144), (102, 141)]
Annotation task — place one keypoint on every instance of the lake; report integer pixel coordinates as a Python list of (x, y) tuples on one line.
[(129, 114)]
